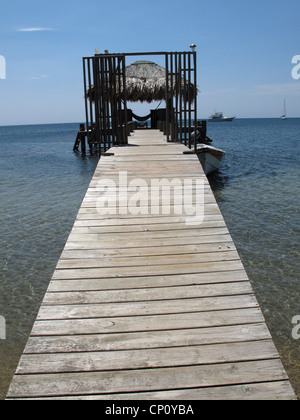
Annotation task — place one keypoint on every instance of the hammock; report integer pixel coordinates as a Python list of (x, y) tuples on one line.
[(136, 117)]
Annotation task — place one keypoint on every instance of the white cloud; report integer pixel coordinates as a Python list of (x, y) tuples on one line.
[(39, 77), (34, 29)]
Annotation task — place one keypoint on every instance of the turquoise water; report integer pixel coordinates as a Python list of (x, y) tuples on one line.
[(257, 189)]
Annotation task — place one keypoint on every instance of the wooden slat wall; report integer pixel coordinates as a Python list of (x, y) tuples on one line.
[(148, 307)]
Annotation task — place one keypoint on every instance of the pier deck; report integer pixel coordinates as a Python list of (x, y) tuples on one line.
[(148, 306)]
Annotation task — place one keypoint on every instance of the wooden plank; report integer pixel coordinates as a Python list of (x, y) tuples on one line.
[(96, 219), (147, 322), (151, 243), (92, 259), (78, 252), (77, 230), (125, 309), (158, 270), (147, 379), (139, 295), (146, 358), (146, 235), (146, 282), (210, 208), (280, 390), (146, 340)]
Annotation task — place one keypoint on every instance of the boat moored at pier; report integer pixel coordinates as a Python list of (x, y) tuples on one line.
[(210, 157)]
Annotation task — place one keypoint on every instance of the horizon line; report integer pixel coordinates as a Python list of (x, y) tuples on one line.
[(82, 121)]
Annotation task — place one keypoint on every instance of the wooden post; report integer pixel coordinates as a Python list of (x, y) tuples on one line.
[(80, 136), (83, 148), (195, 97)]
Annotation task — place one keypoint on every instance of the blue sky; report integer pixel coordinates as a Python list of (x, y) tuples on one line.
[(245, 51)]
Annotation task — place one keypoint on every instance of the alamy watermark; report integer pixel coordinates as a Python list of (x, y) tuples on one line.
[(296, 69), (296, 329), (2, 328), (177, 196), (2, 67)]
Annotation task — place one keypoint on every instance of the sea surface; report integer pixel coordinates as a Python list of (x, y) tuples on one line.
[(43, 182)]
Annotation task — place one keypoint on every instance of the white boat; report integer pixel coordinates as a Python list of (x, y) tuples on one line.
[(210, 157), (284, 117), (219, 117)]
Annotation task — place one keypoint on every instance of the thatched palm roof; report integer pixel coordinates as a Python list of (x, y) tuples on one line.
[(146, 82)]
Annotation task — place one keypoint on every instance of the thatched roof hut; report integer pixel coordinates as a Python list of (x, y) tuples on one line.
[(146, 82)]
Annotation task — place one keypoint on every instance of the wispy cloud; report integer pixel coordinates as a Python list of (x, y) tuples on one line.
[(34, 29), (39, 77)]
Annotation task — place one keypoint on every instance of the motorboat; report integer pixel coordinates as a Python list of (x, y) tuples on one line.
[(219, 117), (210, 157)]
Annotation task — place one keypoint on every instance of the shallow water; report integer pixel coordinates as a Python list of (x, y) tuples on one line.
[(40, 197), (257, 189)]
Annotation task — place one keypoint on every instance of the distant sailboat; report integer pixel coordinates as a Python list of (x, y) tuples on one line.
[(284, 117)]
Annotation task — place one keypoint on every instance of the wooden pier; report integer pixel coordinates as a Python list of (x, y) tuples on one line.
[(147, 306)]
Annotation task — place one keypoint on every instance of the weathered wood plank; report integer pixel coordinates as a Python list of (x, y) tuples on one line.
[(122, 220), (279, 390), (156, 270), (79, 230), (149, 339), (92, 259), (146, 379), (78, 253), (176, 306), (147, 322), (111, 243), (146, 358), (147, 235), (146, 282), (210, 208), (139, 295)]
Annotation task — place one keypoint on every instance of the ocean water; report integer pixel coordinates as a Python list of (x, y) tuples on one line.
[(257, 188), (258, 192)]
